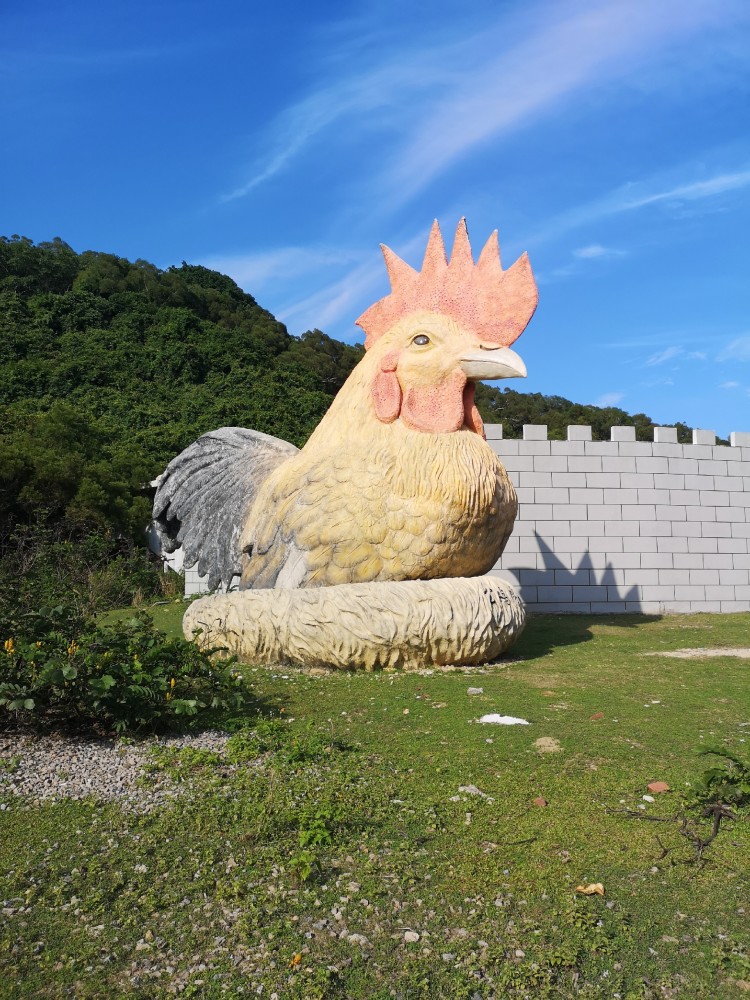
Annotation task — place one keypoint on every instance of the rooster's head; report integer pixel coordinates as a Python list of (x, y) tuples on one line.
[(444, 328)]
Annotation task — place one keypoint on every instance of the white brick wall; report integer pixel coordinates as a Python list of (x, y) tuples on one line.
[(625, 525)]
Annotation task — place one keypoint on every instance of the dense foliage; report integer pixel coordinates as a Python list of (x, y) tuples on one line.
[(109, 368), (126, 676)]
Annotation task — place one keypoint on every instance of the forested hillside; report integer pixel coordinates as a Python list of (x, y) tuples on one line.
[(108, 368)]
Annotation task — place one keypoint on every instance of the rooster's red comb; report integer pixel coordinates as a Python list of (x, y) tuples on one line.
[(494, 304)]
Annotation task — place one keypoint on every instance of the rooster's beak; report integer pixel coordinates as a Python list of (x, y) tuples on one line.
[(492, 363)]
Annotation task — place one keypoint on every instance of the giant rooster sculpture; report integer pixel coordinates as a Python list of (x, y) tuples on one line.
[(397, 483)]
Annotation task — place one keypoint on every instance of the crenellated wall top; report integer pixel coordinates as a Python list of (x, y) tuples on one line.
[(582, 432)]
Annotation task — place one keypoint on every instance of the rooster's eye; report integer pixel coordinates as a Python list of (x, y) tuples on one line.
[(421, 339)]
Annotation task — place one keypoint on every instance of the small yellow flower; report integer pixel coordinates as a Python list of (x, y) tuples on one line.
[(9, 647), (295, 960), (72, 648), (38, 645), (172, 683)]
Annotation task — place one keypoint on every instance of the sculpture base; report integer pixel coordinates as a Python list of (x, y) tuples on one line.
[(364, 626)]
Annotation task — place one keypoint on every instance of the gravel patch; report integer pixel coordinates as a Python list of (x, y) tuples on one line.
[(701, 653), (52, 767)]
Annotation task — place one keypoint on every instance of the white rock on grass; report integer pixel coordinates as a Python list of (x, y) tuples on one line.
[(503, 720)]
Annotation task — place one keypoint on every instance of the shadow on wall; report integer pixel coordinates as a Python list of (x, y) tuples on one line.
[(552, 586)]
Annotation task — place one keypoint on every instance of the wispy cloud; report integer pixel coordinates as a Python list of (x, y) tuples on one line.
[(256, 271), (661, 357), (596, 252), (737, 350), (431, 102), (729, 385), (610, 399), (643, 194)]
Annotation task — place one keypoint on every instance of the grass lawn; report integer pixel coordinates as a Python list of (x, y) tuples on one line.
[(331, 853)]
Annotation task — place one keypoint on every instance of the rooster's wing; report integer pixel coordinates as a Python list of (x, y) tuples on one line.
[(203, 497)]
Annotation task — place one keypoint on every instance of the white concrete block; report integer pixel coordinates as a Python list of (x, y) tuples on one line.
[(688, 592), (587, 495), (729, 607), (595, 592), (535, 447), (665, 435), (698, 451), (739, 439), (620, 495), (551, 463), (535, 432), (493, 432), (657, 529), (663, 560), (671, 544), (597, 449), (535, 479), (585, 463), (622, 528), (701, 514), (611, 480), (651, 464), (732, 484), (567, 448), (574, 479), (622, 434), (712, 467), (703, 545), (699, 482), (517, 463), (509, 446), (665, 512), (704, 437), (684, 498), (584, 529), (653, 496), (669, 481), (717, 529), (714, 498), (609, 544), (642, 577), (683, 466), (637, 480), (555, 594), (667, 450), (733, 545), (641, 449), (638, 512), (580, 432), (554, 495), (704, 576), (618, 463), (661, 592)]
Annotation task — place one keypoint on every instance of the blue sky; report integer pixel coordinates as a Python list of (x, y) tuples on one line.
[(609, 138)]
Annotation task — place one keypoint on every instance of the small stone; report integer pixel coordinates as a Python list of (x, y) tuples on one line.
[(540, 801), (359, 939), (519, 953), (649, 798), (473, 691), (596, 716), (657, 787), (411, 937)]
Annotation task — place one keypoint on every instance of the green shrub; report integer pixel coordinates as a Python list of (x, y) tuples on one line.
[(56, 667)]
